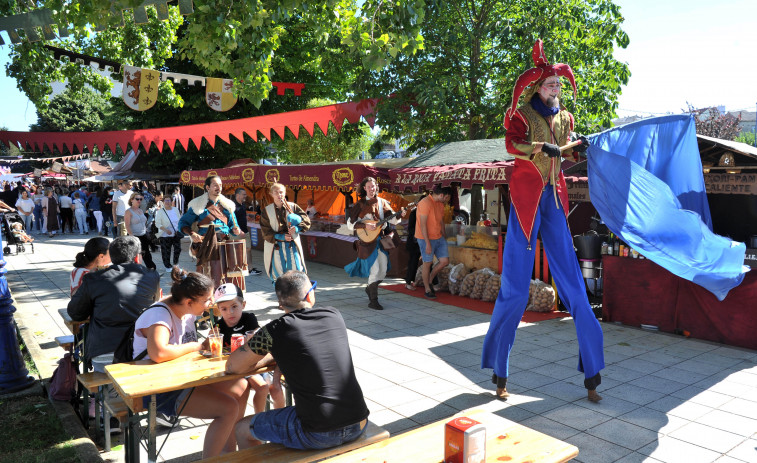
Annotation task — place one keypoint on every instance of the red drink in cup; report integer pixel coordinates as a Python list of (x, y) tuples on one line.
[(236, 341)]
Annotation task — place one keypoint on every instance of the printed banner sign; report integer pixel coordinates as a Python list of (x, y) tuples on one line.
[(140, 89)]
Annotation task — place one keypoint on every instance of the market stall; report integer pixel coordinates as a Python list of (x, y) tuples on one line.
[(329, 185), (483, 163)]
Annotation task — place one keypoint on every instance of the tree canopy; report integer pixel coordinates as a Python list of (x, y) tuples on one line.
[(460, 85)]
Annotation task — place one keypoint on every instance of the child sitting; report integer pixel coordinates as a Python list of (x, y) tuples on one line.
[(18, 232), (231, 303)]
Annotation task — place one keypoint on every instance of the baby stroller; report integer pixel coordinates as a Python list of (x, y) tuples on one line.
[(8, 219)]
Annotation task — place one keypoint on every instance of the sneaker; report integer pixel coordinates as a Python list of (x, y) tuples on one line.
[(255, 271), (161, 419), (168, 269), (431, 294)]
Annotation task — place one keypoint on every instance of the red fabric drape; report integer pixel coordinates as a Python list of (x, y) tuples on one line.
[(641, 292)]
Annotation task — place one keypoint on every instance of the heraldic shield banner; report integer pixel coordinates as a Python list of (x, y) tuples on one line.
[(219, 94), (140, 89)]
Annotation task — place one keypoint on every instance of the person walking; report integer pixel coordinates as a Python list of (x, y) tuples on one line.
[(25, 207), (135, 221), (50, 213), (167, 222), (80, 213), (38, 196), (66, 213)]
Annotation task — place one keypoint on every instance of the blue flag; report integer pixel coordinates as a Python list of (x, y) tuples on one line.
[(645, 180)]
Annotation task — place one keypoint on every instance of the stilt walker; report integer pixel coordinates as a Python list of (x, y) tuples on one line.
[(535, 132)]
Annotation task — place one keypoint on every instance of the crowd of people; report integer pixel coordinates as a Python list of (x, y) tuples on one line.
[(57, 209)]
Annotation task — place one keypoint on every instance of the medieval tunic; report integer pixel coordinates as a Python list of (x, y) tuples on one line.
[(372, 259), (51, 221), (539, 204), (280, 255), (217, 216)]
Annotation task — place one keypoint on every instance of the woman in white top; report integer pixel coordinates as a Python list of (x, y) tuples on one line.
[(136, 225), (166, 331), (167, 222), (25, 206), (94, 256)]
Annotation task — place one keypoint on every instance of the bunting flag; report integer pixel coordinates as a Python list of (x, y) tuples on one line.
[(219, 94), (140, 89), (170, 136)]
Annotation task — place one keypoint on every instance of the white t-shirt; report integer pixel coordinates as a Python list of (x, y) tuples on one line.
[(79, 204), (25, 205), (65, 201), (311, 211), (122, 201), (182, 329)]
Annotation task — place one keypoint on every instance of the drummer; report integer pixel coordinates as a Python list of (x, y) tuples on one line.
[(211, 212)]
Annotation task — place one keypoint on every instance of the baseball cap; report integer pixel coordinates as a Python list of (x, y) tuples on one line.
[(227, 292)]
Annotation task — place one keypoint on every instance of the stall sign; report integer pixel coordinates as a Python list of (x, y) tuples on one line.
[(254, 237), (578, 191), (734, 184)]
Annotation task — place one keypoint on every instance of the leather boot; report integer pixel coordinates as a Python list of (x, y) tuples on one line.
[(372, 291)]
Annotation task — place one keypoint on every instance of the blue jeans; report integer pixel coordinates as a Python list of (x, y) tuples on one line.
[(282, 426), (37, 217)]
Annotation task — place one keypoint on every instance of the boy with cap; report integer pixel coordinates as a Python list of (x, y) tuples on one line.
[(231, 303)]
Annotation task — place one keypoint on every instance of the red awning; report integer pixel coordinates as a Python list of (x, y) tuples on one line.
[(331, 176), (488, 174)]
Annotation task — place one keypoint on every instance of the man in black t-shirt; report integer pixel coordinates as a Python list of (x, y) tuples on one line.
[(310, 346)]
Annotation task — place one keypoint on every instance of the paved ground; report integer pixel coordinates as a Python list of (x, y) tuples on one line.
[(666, 398)]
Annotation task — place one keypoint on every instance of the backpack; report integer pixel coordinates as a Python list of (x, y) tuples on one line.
[(125, 350), (63, 382)]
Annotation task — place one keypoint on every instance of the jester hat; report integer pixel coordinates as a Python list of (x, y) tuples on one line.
[(542, 70)]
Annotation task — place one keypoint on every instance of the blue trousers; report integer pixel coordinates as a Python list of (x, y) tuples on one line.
[(517, 267)]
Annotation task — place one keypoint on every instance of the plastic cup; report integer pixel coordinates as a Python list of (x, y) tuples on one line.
[(215, 341)]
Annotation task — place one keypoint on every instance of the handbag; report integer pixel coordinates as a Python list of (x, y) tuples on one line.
[(178, 234), (387, 242)]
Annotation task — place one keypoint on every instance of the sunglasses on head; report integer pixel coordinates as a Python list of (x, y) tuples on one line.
[(315, 283)]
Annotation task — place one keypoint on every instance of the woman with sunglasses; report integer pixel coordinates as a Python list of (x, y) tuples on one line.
[(135, 221)]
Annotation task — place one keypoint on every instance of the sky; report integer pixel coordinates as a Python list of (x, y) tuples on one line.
[(700, 52)]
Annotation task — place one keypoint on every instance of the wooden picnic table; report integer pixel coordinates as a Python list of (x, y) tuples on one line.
[(505, 441), (141, 378), (73, 326)]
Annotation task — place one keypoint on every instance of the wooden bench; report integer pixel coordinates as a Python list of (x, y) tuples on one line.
[(66, 342), (276, 453)]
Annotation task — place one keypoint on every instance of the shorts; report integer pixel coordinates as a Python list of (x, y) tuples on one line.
[(282, 426), (438, 249), (168, 403)]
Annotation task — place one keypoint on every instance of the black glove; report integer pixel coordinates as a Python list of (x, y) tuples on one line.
[(551, 150), (583, 146)]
